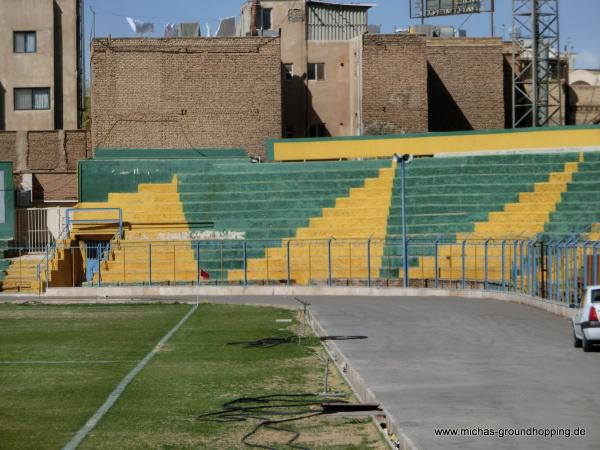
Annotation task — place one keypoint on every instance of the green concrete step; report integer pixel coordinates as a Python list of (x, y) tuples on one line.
[(271, 186), (518, 158)]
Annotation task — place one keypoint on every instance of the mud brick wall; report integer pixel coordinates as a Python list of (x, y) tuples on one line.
[(466, 84), (50, 156), (182, 93), (394, 71)]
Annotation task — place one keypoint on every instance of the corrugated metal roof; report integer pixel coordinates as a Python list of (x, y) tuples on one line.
[(336, 21), (360, 5)]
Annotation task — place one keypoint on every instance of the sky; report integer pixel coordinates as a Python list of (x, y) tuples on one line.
[(579, 20)]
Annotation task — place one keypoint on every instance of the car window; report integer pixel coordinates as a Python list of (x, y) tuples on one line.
[(595, 296)]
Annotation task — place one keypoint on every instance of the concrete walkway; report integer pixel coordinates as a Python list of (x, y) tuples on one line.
[(464, 363)]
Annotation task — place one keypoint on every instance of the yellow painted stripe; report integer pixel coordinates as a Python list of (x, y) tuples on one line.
[(373, 147), (362, 215)]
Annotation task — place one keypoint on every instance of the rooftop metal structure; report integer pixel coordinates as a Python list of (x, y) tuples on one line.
[(329, 21), (536, 64)]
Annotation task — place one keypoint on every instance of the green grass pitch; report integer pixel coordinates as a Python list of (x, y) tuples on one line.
[(58, 364)]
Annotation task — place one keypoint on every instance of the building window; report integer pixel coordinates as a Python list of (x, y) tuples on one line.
[(264, 19), (316, 71), (288, 70), (32, 98), (317, 130), (25, 42)]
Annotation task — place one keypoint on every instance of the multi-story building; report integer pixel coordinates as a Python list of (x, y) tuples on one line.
[(340, 80), (41, 64), (318, 58)]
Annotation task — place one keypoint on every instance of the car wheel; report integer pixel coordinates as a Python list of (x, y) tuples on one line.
[(587, 345), (576, 341)]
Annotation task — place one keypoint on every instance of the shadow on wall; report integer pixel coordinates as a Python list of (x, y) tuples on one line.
[(58, 69), (38, 190), (299, 118), (2, 107), (444, 113), (507, 71), (572, 99)]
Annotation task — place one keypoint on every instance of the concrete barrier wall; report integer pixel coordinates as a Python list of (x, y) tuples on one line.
[(150, 292)]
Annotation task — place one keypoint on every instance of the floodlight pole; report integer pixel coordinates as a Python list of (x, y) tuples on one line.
[(536, 86), (403, 161)]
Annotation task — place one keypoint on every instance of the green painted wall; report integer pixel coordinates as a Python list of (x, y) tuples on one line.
[(98, 177), (7, 209)]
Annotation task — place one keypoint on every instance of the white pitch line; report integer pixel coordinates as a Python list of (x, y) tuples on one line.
[(66, 362), (114, 395)]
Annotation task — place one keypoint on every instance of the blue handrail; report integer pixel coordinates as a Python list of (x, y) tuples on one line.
[(119, 220)]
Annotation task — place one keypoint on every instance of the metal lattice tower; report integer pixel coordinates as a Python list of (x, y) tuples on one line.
[(536, 64)]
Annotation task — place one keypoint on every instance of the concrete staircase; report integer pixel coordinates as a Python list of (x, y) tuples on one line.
[(521, 220), (153, 216), (21, 274), (362, 215), (476, 197)]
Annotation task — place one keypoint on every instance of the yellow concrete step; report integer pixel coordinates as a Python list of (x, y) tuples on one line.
[(155, 217), (158, 188), (370, 192), (549, 187), (143, 265), (534, 197), (350, 211), (139, 207), (144, 278), (115, 198), (539, 207), (378, 202)]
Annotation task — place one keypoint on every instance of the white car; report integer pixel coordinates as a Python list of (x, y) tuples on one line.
[(586, 326)]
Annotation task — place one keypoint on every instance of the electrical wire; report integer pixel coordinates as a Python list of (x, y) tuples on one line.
[(271, 411), (107, 12)]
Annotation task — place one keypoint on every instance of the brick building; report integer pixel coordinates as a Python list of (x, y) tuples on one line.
[(186, 92), (340, 80), (237, 92), (394, 84), (41, 64), (45, 163), (465, 81)]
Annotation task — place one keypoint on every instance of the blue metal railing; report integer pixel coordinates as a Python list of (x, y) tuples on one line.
[(558, 270), (118, 220)]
